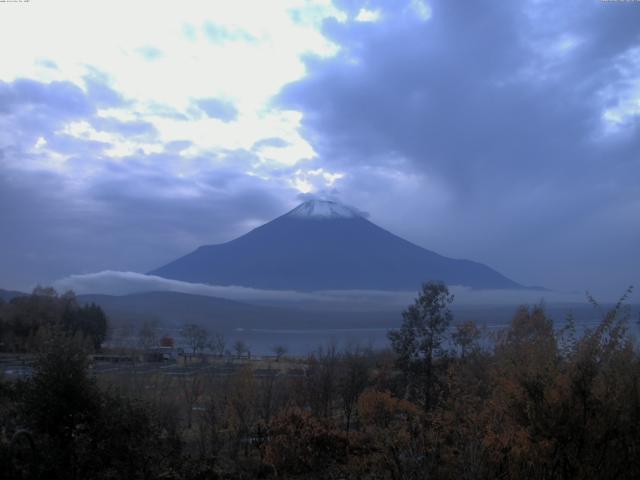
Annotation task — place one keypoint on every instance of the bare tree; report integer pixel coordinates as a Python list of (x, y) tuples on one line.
[(280, 351), (195, 337), (240, 348), (192, 387), (218, 344), (272, 393), (125, 332), (148, 334), (212, 418)]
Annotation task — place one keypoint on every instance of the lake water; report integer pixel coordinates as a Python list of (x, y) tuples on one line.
[(306, 340), (303, 342)]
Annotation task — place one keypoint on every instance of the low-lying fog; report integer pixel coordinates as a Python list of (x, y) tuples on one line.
[(122, 283)]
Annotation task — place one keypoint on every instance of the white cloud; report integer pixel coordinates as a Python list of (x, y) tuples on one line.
[(122, 283)]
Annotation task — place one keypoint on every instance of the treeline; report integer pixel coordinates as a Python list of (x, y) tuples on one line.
[(442, 403), (25, 319), (59, 425)]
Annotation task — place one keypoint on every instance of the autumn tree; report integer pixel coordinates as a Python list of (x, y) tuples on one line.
[(321, 381), (393, 438), (353, 379), (466, 336), (80, 430), (241, 407), (420, 340), (598, 432), (302, 444)]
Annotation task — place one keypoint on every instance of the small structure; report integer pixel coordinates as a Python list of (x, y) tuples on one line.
[(160, 354)]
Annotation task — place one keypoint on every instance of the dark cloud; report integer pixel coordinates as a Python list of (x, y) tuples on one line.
[(90, 212), (68, 144), (132, 128), (132, 214), (166, 111), (63, 100), (30, 110), (217, 108), (484, 126), (100, 91), (479, 132), (177, 146)]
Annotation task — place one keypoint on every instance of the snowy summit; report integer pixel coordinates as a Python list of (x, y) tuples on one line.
[(323, 209)]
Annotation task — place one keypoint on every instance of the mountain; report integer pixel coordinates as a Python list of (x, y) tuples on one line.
[(324, 245), (175, 309), (7, 295)]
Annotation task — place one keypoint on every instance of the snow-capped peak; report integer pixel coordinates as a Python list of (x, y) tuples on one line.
[(323, 209)]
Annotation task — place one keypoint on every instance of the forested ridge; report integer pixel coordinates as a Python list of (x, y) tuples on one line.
[(26, 318)]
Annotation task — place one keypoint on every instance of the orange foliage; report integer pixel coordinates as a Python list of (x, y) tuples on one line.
[(301, 443)]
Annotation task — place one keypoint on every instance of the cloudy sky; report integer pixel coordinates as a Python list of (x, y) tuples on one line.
[(504, 132)]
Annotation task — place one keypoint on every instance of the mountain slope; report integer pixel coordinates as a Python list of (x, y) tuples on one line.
[(175, 309), (325, 246), (7, 295)]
